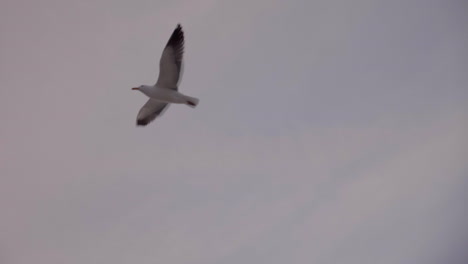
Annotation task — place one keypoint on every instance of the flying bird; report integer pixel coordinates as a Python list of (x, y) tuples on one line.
[(165, 91)]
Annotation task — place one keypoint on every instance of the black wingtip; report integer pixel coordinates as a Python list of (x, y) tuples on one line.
[(142, 122), (177, 37)]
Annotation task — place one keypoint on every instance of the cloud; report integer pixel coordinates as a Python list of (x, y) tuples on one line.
[(326, 132)]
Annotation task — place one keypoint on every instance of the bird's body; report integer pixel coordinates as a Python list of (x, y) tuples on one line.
[(166, 95), (165, 91)]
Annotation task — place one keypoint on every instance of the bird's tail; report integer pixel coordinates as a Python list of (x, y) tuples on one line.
[(191, 101)]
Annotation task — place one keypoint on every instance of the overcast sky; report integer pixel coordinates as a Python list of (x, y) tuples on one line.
[(328, 131)]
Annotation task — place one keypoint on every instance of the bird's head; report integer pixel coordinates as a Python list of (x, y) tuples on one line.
[(146, 89)]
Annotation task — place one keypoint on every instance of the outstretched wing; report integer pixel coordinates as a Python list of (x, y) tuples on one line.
[(150, 111), (170, 63)]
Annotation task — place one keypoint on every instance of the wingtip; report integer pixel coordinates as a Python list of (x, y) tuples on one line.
[(141, 123), (177, 37)]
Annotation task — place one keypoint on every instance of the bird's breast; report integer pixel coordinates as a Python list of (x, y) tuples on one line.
[(166, 95)]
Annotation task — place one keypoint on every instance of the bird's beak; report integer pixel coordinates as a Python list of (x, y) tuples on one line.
[(135, 88)]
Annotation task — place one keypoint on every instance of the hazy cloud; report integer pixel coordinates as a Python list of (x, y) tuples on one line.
[(327, 132)]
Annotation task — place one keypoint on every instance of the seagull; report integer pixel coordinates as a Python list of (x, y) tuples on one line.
[(165, 91)]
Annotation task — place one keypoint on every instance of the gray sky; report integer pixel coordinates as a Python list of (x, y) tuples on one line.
[(327, 132)]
